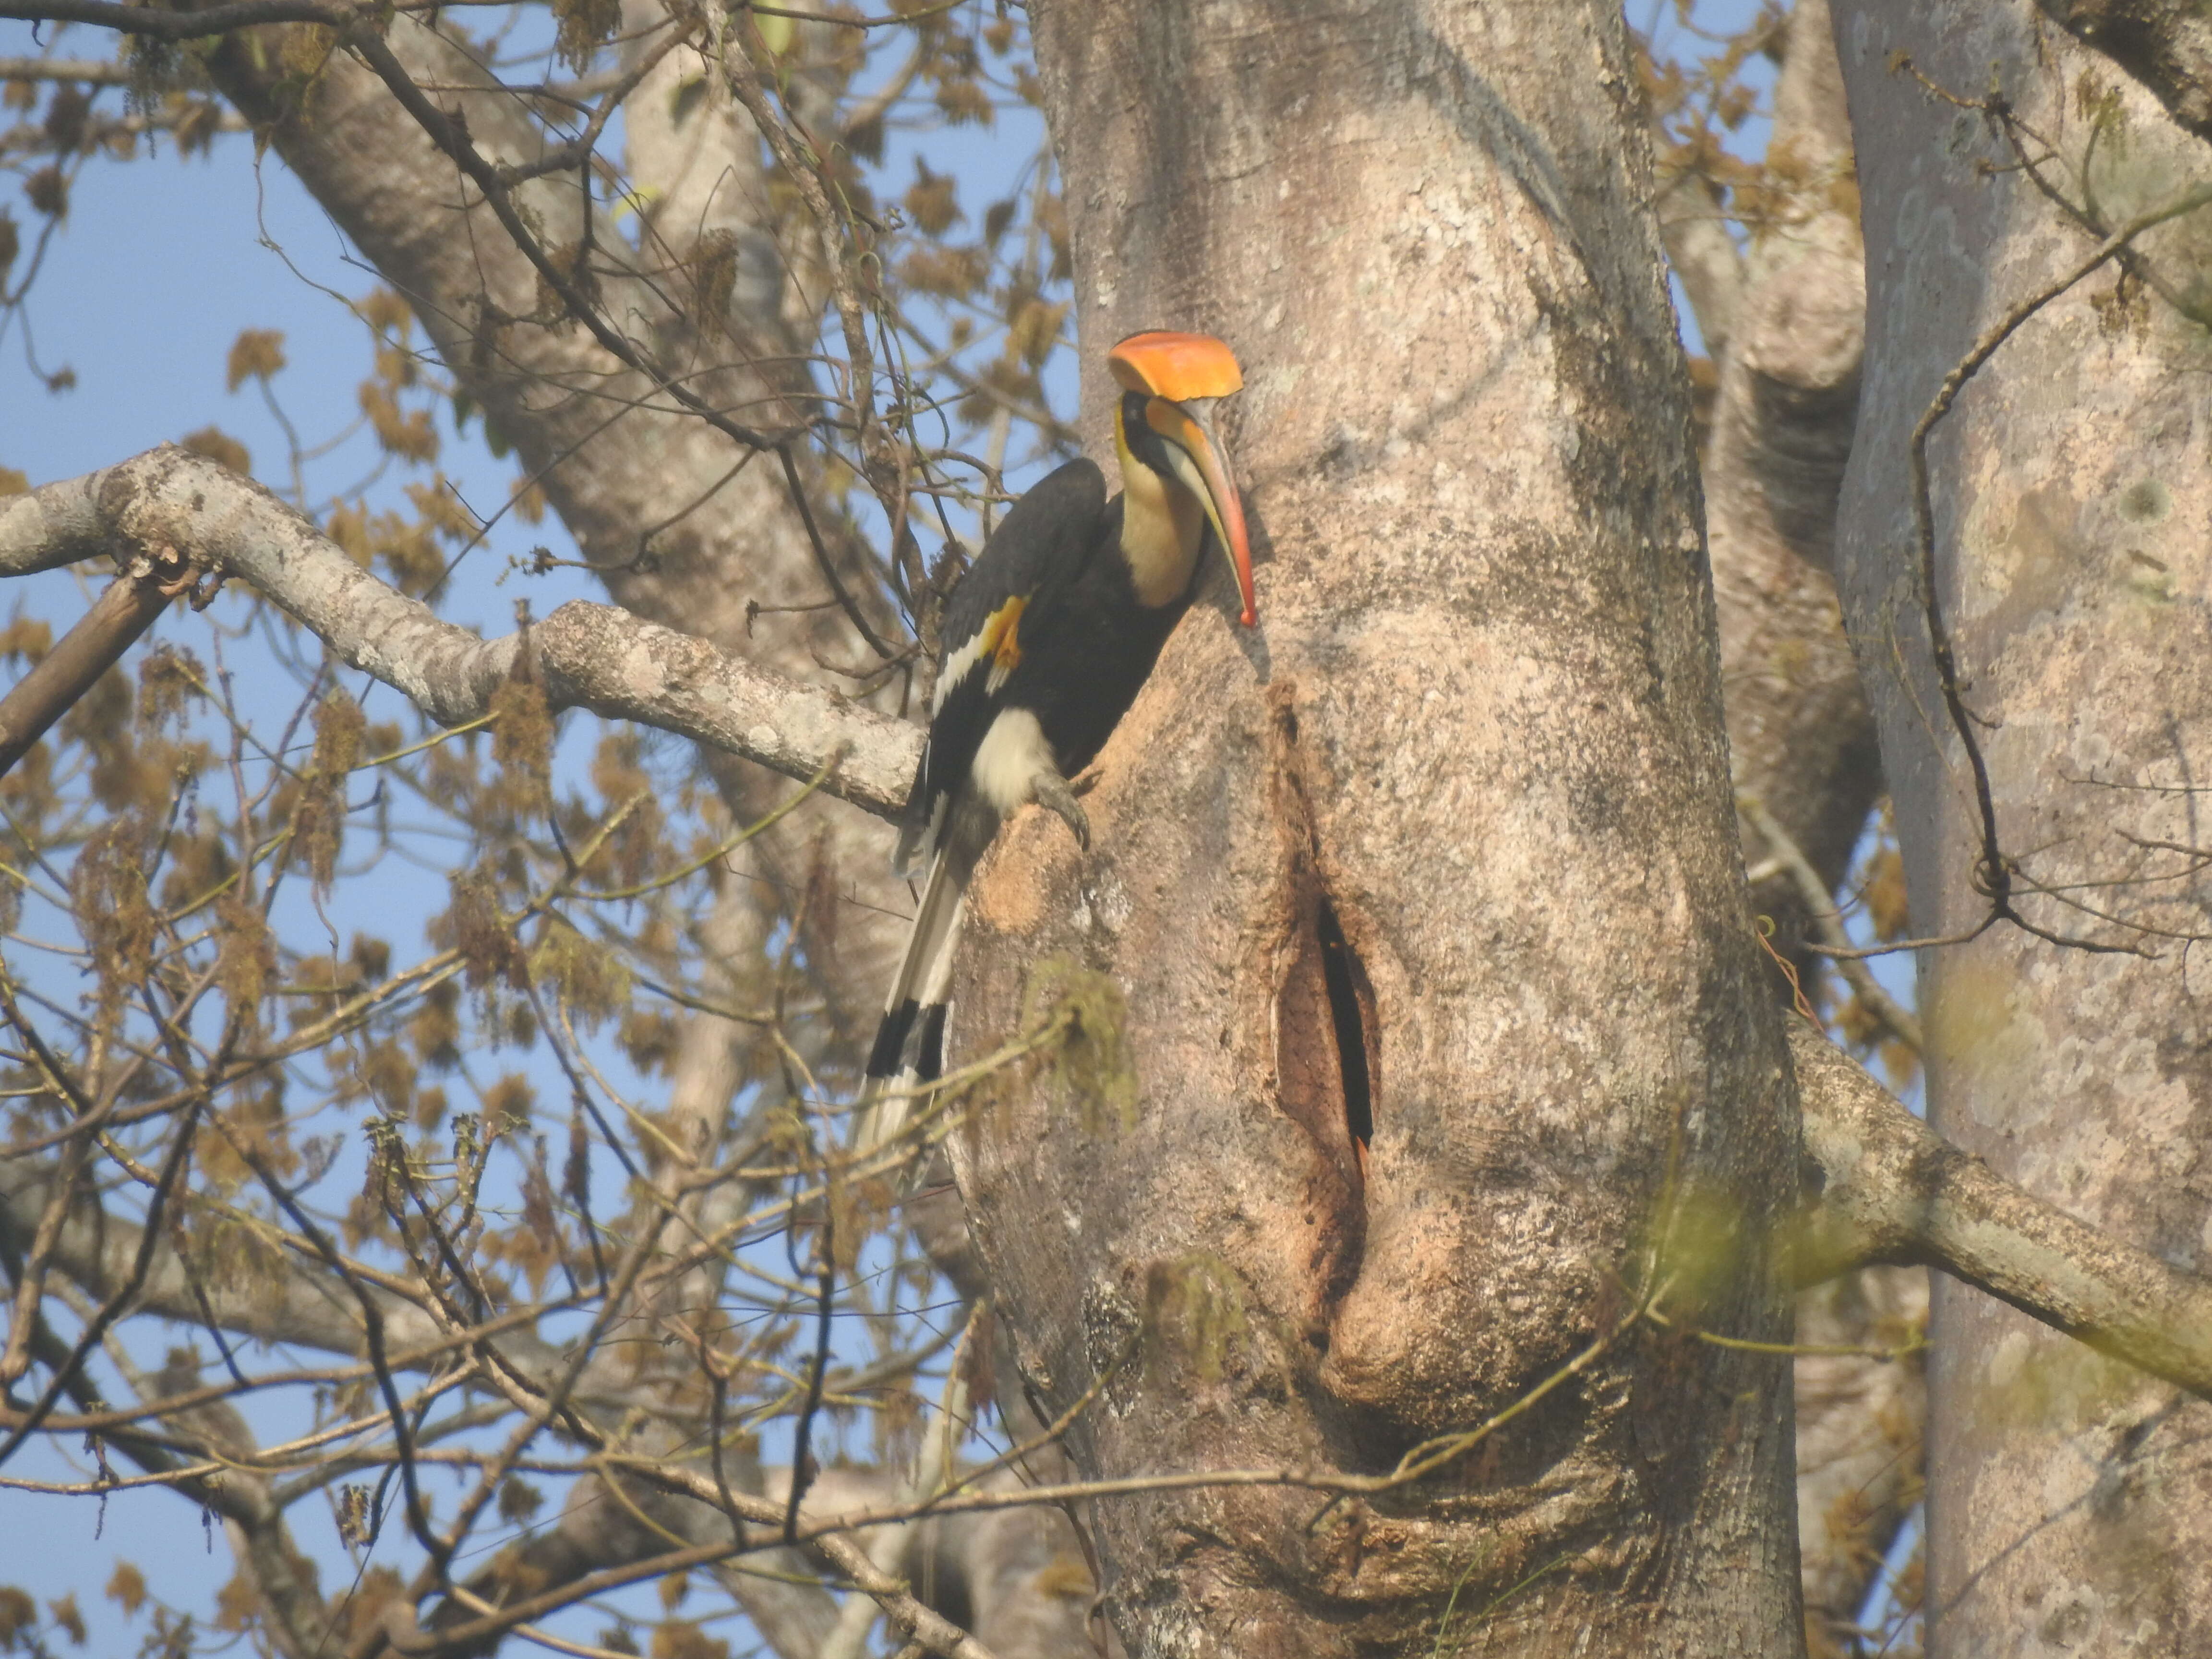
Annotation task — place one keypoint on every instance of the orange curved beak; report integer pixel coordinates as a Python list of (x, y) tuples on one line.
[(1198, 458)]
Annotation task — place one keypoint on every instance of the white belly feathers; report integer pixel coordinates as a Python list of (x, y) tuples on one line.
[(1013, 755)]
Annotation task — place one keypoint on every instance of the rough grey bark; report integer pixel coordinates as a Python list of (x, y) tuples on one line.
[(1480, 714), (2071, 1500), (1307, 769)]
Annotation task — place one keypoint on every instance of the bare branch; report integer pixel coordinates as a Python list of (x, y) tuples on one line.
[(901, 1608), (111, 1309), (180, 25), (590, 656), (659, 505), (889, 1550), (1998, 876), (98, 1251)]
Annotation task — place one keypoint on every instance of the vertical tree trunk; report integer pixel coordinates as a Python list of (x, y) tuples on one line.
[(1802, 740), (1443, 854), (2071, 1498), (1800, 736)]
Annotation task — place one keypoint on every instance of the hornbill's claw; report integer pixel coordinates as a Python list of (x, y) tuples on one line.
[(1054, 796)]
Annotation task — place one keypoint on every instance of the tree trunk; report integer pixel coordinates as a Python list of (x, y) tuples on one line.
[(1786, 331), (1801, 739), (1443, 855), (1802, 742), (2071, 1502)]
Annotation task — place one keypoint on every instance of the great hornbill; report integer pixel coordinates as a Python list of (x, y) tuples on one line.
[(1047, 639)]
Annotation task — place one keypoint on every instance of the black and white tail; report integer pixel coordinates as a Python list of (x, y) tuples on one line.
[(910, 1050)]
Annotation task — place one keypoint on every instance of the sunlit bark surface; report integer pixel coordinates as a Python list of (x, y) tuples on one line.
[(2071, 1500), (1478, 730)]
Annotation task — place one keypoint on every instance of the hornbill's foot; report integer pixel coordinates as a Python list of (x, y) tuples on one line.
[(1054, 796)]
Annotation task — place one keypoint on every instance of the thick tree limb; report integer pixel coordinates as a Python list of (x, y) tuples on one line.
[(1801, 739), (589, 656), (1705, 256), (1800, 736), (182, 26), (1894, 1191), (680, 531), (2165, 44)]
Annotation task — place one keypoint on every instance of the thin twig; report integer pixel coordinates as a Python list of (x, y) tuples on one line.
[(826, 1290), (111, 1309), (1812, 893)]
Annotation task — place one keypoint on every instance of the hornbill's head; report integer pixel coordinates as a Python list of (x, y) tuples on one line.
[(1164, 425)]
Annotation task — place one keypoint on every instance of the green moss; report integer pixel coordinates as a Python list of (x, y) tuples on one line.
[(1093, 1055), (2145, 502), (1196, 1315), (1703, 1237)]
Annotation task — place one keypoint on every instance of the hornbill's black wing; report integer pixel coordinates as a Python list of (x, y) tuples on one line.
[(1036, 552), (1039, 546)]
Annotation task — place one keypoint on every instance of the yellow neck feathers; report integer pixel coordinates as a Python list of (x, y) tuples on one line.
[(1162, 527)]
